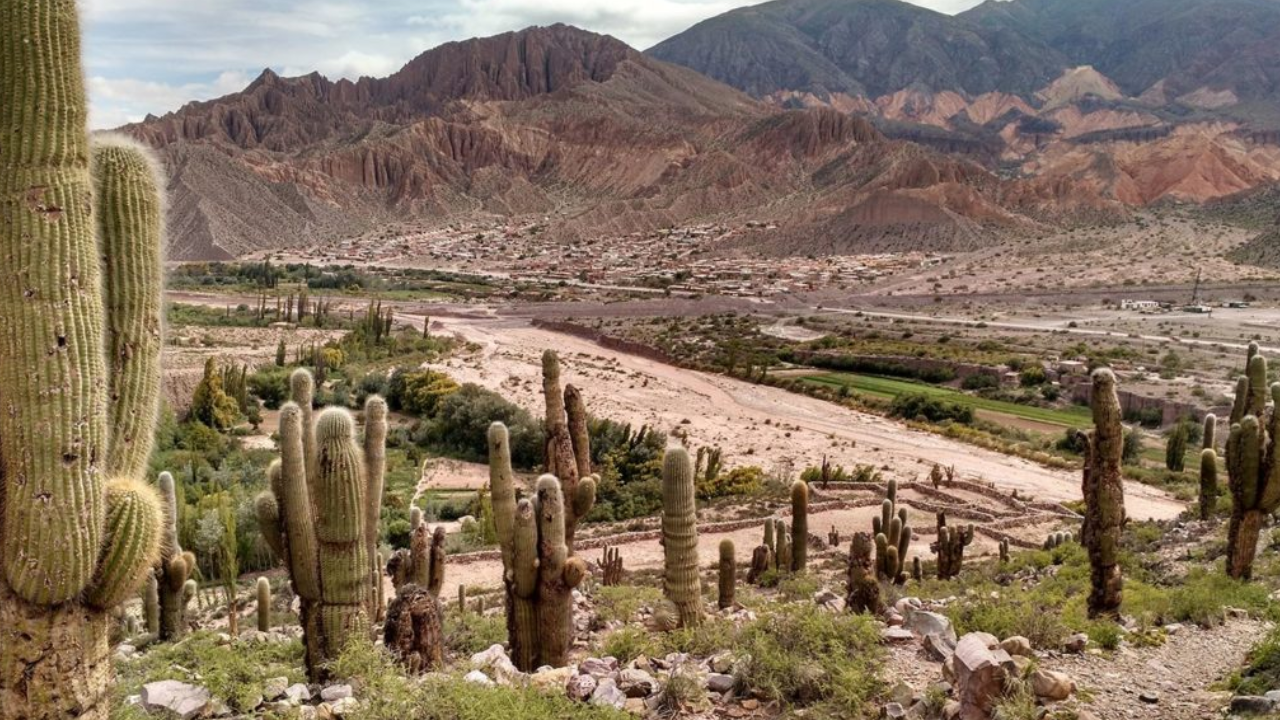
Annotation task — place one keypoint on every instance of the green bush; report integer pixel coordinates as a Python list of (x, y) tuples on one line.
[(911, 406)]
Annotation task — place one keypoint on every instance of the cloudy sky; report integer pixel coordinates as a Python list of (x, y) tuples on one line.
[(151, 56)]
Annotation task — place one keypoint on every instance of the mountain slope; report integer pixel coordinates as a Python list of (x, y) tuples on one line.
[(573, 128)]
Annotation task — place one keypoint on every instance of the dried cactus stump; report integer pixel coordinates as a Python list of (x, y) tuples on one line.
[(414, 631)]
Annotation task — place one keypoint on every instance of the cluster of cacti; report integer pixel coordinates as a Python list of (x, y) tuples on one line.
[(799, 526), (681, 582), (949, 547), (1004, 550), (1058, 539), (892, 537), (414, 630), (1103, 490), (321, 517), (864, 587), (708, 464), (611, 566), (80, 339), (1253, 471), (538, 573), (833, 537), (1209, 469), (174, 569), (568, 446), (1175, 451), (726, 576)]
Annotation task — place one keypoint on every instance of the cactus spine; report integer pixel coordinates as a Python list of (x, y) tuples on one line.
[(322, 491), (80, 241), (1253, 472), (1103, 491), (799, 525), (568, 446), (864, 588), (727, 580), (892, 537), (538, 574), (264, 604), (681, 582)]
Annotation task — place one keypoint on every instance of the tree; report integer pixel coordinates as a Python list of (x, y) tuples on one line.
[(210, 404)]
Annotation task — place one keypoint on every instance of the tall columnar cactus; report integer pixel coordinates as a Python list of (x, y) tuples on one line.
[(80, 243), (568, 445), (799, 525), (726, 575), (1253, 471), (1209, 469), (1103, 490), (949, 547), (782, 556), (175, 567), (681, 583), (414, 631), (892, 537), (864, 588), (317, 513), (538, 574)]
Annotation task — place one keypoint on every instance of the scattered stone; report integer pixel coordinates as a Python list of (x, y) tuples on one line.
[(893, 711), (1252, 705), (924, 623), (981, 669), (580, 687), (938, 648), (1076, 643), (345, 707), (636, 683), (608, 694), (333, 693), (1149, 697), (598, 667), (497, 665), (307, 712), (551, 678), (182, 700), (297, 693), (721, 663), (635, 706), (1017, 646), (897, 635), (479, 678), (1052, 685), (719, 682), (273, 688)]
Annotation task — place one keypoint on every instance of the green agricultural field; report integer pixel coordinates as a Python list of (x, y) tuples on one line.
[(890, 388)]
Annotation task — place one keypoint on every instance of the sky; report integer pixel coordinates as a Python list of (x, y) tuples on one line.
[(152, 56)]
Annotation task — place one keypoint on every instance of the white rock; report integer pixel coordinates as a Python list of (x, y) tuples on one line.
[(297, 693), (273, 688), (608, 694), (182, 700), (477, 677), (334, 693)]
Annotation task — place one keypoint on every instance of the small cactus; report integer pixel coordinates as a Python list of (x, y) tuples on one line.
[(833, 537), (892, 537), (917, 571), (864, 588), (264, 604), (949, 547), (1004, 551), (611, 566), (782, 558), (799, 525), (761, 558), (174, 569), (727, 580), (681, 584)]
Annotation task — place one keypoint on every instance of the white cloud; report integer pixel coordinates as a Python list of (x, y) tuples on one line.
[(152, 56)]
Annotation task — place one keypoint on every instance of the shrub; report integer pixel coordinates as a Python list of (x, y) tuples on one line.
[(748, 480), (916, 405), (628, 643), (461, 422)]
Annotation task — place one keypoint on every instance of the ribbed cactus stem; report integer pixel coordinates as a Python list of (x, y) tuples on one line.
[(726, 574), (768, 535), (132, 543), (558, 574), (151, 605), (1209, 435), (1208, 483), (174, 567), (682, 585), (783, 558), (799, 525), (264, 604), (864, 588), (1103, 490)]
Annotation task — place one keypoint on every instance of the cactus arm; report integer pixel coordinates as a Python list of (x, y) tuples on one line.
[(436, 562), (264, 604), (503, 493), (295, 505), (1240, 403), (522, 613), (1209, 435), (1257, 375), (130, 220), (555, 625), (302, 390), (132, 543), (375, 465), (580, 438)]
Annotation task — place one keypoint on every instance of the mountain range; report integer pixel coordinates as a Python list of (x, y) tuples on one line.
[(855, 125)]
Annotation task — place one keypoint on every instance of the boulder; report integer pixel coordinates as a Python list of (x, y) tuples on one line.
[(479, 678), (938, 647), (495, 663), (297, 693), (598, 667), (1252, 705), (924, 623), (981, 668), (334, 693), (551, 679), (896, 635), (719, 682), (607, 694), (581, 687), (178, 699), (1017, 646), (636, 683), (273, 688)]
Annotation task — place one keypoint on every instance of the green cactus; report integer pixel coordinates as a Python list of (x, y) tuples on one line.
[(1253, 472), (769, 542), (568, 446), (80, 328), (726, 576), (1004, 551), (917, 571), (681, 583), (799, 525), (264, 604), (864, 588), (175, 566), (892, 537), (538, 574), (1103, 490), (151, 605), (322, 492), (949, 547), (782, 558), (760, 560), (1057, 539)]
